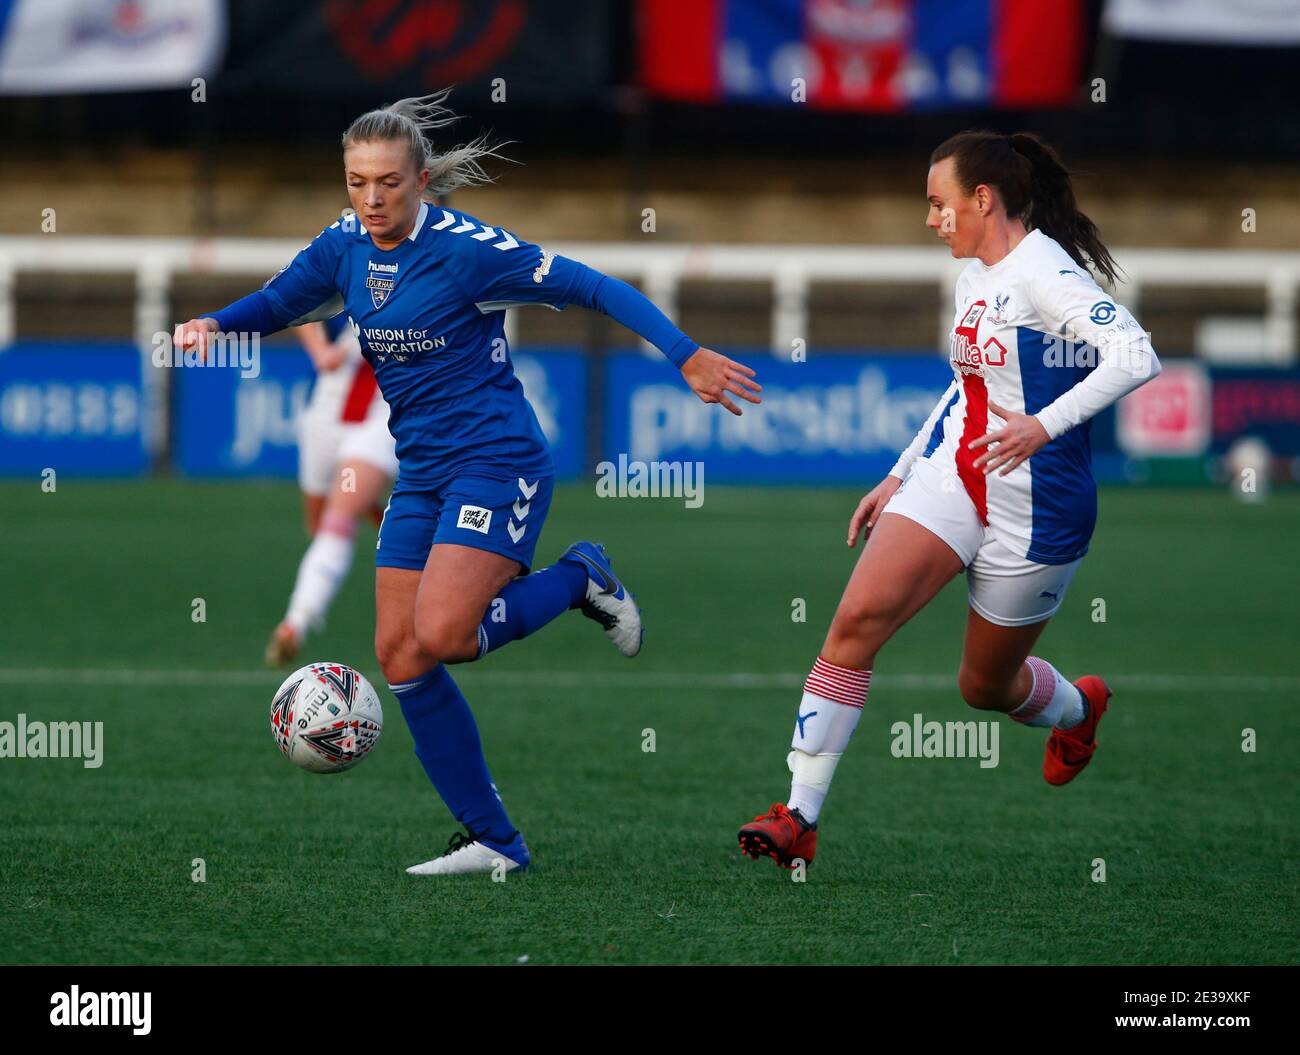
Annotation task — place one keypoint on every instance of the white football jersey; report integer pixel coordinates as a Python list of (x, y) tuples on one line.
[(1033, 334)]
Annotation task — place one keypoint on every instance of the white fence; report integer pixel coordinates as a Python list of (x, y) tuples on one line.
[(660, 270)]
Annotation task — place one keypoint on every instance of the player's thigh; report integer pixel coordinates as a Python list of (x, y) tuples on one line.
[(401, 551), (1011, 600), (395, 646), (456, 587), (901, 569), (357, 489)]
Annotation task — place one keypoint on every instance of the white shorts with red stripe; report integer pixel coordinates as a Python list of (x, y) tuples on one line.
[(1002, 586)]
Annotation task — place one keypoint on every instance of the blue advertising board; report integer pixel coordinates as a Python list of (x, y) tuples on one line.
[(1263, 402), (229, 425), (75, 407), (833, 419)]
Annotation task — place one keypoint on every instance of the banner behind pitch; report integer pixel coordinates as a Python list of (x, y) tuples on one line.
[(834, 419), (226, 425), (75, 408)]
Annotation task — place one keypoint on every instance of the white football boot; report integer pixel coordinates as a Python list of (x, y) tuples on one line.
[(608, 602), (465, 855)]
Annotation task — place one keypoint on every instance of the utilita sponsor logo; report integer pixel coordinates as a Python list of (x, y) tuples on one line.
[(76, 1008), (971, 360)]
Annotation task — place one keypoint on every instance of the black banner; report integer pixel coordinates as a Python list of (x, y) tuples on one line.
[(520, 53)]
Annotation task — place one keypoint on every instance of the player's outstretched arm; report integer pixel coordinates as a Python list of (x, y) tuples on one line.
[(711, 376), (302, 287), (524, 272)]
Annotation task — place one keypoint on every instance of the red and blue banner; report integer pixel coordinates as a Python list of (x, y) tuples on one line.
[(874, 55)]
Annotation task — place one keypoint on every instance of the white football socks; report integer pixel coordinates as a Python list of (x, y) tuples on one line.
[(832, 703), (323, 569), (1052, 699)]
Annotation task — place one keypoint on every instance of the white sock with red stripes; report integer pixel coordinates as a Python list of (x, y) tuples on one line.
[(322, 571), (832, 703), (1053, 700)]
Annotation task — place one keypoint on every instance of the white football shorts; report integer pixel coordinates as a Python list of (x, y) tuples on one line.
[(1004, 588), (325, 444)]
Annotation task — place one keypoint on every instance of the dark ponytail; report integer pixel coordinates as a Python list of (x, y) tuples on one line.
[(1034, 186)]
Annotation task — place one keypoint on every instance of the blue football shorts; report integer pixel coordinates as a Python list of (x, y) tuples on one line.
[(500, 516)]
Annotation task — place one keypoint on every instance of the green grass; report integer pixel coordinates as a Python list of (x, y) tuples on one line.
[(921, 861)]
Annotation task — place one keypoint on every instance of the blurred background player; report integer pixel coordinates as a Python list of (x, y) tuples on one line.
[(1037, 350), (346, 462), (424, 288)]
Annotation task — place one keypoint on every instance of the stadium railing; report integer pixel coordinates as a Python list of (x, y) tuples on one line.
[(660, 271)]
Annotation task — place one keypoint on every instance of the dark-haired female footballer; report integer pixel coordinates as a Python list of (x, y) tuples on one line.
[(424, 289), (997, 483)]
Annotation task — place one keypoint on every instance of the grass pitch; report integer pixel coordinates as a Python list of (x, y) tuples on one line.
[(921, 860)]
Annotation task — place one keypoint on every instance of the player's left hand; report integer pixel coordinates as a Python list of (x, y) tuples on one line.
[(1018, 439), (711, 376)]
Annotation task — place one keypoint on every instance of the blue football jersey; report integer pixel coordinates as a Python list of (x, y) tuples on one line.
[(430, 318)]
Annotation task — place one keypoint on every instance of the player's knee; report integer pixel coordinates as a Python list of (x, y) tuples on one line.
[(860, 625), (979, 691), (399, 657), (446, 640)]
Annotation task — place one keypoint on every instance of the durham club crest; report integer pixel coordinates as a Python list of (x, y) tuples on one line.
[(380, 280)]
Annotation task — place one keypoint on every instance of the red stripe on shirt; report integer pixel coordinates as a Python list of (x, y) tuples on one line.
[(357, 404), (977, 424)]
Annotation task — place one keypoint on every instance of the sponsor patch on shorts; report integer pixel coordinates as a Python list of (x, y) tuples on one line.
[(475, 518)]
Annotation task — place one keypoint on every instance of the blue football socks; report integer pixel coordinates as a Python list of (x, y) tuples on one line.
[(530, 602), (448, 746)]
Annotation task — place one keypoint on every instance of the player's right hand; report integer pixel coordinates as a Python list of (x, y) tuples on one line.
[(194, 332), (869, 508)]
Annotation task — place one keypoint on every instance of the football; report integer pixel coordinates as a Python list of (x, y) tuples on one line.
[(326, 717)]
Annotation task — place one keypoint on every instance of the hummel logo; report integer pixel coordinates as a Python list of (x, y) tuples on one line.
[(803, 718)]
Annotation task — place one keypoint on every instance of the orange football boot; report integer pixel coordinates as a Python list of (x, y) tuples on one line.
[(1069, 750), (780, 834)]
